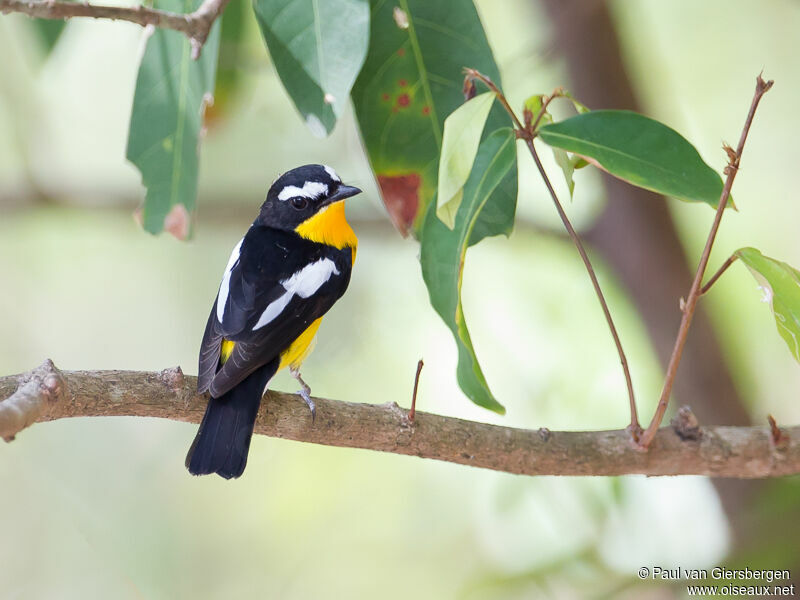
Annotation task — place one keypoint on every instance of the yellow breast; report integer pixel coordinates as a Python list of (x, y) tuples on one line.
[(329, 226)]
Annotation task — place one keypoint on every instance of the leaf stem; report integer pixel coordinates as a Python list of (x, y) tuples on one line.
[(731, 259), (695, 292), (528, 134)]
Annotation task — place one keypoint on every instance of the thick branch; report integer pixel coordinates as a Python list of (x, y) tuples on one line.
[(742, 452), (195, 26)]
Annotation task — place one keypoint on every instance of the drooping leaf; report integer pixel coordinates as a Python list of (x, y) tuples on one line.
[(639, 150), (167, 118), (780, 284), (412, 79), (443, 250), (317, 47), (462, 134)]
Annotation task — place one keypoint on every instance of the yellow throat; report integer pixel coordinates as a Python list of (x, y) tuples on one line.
[(329, 226)]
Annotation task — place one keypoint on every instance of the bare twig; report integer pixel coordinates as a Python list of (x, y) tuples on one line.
[(413, 412), (195, 26), (741, 452), (528, 134), (762, 87), (731, 259), (779, 439)]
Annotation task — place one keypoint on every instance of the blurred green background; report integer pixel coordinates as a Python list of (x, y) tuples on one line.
[(103, 508)]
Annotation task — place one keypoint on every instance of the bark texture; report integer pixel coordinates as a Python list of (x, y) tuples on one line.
[(685, 448)]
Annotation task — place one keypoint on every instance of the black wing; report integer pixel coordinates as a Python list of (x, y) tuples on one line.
[(279, 284)]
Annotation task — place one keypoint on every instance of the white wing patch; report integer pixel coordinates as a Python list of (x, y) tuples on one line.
[(224, 288), (303, 283), (333, 175), (310, 189)]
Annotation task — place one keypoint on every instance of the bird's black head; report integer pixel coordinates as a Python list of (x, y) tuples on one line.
[(299, 194)]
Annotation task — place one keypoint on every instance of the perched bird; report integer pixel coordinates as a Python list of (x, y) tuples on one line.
[(286, 272)]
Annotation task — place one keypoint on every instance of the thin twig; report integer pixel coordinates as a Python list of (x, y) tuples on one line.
[(527, 135), (195, 26), (413, 412), (731, 259), (762, 87), (741, 452)]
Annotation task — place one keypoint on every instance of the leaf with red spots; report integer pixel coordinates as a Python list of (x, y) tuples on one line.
[(411, 81)]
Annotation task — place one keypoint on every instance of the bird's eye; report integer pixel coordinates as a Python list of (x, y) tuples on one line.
[(299, 202)]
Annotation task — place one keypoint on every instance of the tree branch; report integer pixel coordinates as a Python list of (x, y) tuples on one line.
[(734, 158), (195, 26), (47, 394)]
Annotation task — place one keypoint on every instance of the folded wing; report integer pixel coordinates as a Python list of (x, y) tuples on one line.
[(267, 298)]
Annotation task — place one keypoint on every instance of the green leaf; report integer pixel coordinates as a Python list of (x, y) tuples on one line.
[(166, 119), (462, 134), (318, 47), (639, 150), (443, 251), (412, 79), (781, 286)]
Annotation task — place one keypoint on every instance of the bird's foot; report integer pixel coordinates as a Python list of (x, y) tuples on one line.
[(305, 393)]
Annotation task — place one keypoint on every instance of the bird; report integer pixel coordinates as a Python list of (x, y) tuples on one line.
[(287, 271)]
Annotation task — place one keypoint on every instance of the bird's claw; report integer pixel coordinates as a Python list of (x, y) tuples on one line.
[(305, 394)]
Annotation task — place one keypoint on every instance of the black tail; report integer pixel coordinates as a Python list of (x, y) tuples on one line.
[(223, 440)]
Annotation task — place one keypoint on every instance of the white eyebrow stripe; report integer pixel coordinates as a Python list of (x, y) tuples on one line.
[(224, 287), (310, 189), (332, 173), (303, 283)]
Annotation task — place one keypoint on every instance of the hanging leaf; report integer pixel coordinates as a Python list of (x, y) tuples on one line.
[(167, 117), (780, 284), (639, 150), (443, 251), (317, 47), (567, 166), (462, 134), (412, 79)]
